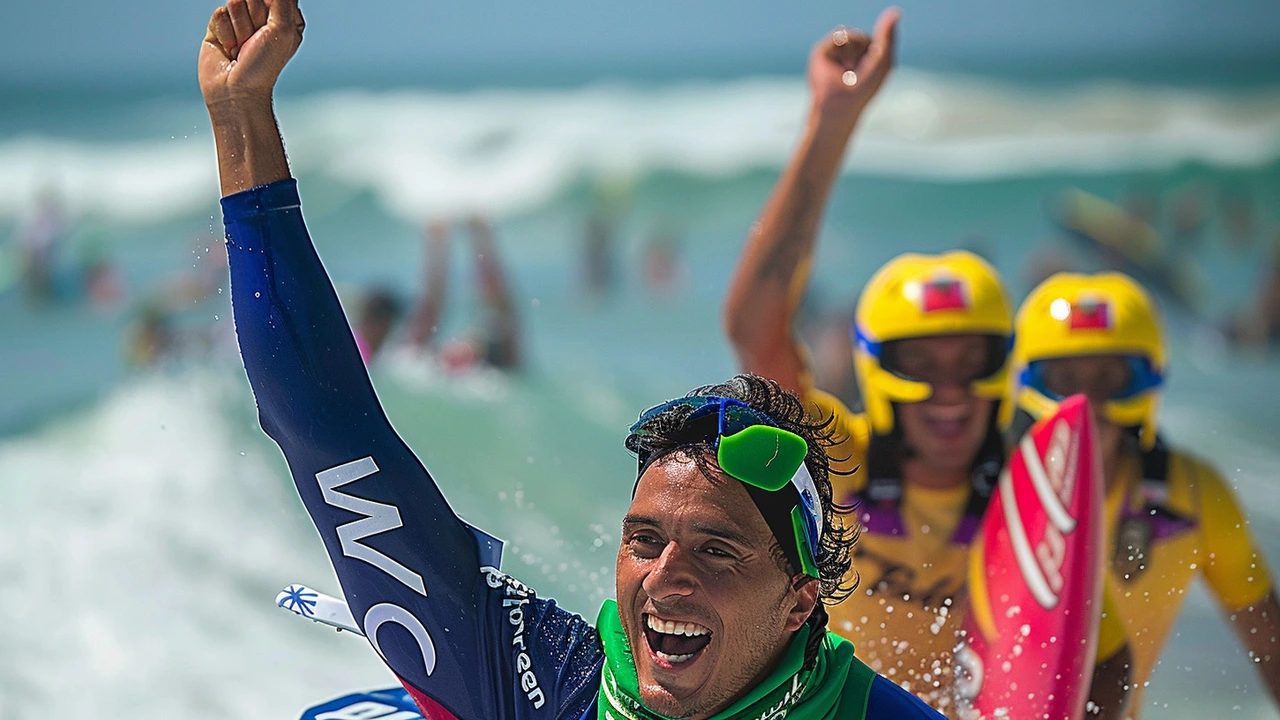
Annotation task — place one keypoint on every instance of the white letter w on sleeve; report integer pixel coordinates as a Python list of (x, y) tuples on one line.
[(378, 518)]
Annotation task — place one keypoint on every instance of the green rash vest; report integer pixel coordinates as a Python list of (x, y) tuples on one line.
[(837, 686)]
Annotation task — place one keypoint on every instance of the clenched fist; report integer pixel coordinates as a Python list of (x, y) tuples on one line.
[(847, 67), (247, 44)]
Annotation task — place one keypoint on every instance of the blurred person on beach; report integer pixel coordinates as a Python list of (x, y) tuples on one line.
[(150, 339), (1189, 216), (38, 241), (597, 256), (1239, 217), (101, 283), (664, 274), (1258, 326), (174, 319), (921, 462), (494, 342), (1170, 517), (599, 273), (730, 549), (379, 311)]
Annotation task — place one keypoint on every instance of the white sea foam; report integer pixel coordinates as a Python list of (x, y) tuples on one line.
[(508, 150), (139, 181), (142, 544)]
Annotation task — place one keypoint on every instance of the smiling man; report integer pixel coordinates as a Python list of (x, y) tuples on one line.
[(931, 340), (729, 549), (931, 334)]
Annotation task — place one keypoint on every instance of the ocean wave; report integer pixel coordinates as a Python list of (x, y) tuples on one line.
[(503, 151), (128, 182), (143, 542)]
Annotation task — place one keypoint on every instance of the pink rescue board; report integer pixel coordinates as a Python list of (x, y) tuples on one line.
[(1035, 578)]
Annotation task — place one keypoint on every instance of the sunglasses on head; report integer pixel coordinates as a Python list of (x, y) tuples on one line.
[(751, 448)]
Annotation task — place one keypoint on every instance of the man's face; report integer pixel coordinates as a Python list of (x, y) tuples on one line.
[(945, 431), (706, 607), (1097, 377)]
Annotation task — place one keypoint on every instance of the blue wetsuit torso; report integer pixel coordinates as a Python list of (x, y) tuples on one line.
[(466, 641)]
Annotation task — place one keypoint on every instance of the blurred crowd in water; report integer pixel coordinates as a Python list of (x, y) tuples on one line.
[(1160, 240)]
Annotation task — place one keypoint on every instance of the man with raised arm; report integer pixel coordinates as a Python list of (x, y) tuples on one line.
[(729, 550), (932, 334)]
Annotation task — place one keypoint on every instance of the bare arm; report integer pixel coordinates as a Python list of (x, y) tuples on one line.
[(247, 44), (497, 295), (435, 282), (846, 69), (1258, 628)]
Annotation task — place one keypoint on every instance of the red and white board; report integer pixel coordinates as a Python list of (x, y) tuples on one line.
[(1035, 578)]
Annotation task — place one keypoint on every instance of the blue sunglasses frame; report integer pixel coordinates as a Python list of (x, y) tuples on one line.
[(751, 448), (1143, 376)]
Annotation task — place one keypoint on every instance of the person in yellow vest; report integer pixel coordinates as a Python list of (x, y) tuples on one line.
[(1170, 516), (932, 336)]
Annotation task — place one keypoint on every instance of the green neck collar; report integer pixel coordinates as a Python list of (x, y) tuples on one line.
[(790, 691)]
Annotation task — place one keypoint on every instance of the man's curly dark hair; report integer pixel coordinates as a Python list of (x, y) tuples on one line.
[(669, 432)]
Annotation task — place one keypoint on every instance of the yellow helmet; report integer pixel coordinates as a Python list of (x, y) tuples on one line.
[(956, 293), (1073, 315)]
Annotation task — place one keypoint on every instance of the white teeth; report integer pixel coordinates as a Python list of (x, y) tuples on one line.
[(945, 414), (674, 659), (668, 627)]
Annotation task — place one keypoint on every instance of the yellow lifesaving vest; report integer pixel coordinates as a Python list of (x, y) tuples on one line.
[(906, 612), (1163, 535)]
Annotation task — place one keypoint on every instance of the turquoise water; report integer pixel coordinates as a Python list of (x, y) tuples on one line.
[(147, 523)]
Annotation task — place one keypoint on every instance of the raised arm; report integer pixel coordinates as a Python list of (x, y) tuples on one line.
[(504, 321), (846, 69), (425, 321), (422, 584), (245, 47)]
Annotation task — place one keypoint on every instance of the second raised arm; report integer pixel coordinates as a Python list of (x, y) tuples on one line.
[(846, 69)]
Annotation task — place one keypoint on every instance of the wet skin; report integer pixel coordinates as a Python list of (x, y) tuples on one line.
[(706, 606), (946, 431)]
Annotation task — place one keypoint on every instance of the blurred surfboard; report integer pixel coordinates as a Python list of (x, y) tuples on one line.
[(1036, 578), (1131, 245)]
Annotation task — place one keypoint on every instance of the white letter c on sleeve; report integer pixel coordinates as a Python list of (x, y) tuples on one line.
[(387, 612)]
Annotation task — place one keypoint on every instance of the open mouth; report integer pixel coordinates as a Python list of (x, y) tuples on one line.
[(674, 643), (948, 421)]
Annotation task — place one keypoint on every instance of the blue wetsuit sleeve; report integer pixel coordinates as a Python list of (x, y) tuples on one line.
[(460, 635), (888, 701)]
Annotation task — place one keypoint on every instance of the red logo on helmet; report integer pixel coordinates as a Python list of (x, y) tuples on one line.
[(944, 294), (1091, 315)]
